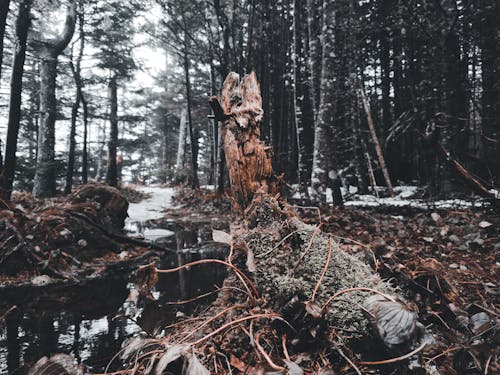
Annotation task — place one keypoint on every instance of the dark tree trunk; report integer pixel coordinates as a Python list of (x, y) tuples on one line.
[(303, 111), (76, 70), (4, 10), (45, 176), (194, 140), (314, 24), (112, 171), (85, 136), (23, 22)]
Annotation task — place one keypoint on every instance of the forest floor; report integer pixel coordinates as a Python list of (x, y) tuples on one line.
[(444, 257), (445, 261)]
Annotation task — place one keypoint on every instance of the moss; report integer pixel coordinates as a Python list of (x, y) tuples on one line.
[(280, 275)]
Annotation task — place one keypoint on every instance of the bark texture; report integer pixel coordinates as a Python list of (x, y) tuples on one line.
[(112, 169), (248, 159), (23, 22), (49, 51)]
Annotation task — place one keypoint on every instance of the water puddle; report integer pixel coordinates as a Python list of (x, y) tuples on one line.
[(91, 321)]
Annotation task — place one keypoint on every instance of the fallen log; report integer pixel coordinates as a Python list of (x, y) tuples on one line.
[(293, 299), (64, 238)]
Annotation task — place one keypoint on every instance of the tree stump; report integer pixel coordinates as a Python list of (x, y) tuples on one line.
[(249, 160), (291, 294)]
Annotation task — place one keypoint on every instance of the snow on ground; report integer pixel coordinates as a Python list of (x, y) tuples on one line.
[(150, 209), (406, 196)]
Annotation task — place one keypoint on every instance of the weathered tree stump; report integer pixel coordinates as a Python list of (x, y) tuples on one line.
[(249, 160), (288, 282)]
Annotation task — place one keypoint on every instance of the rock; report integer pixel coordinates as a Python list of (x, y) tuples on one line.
[(436, 217), (82, 243), (41, 280), (453, 265), (454, 238), (485, 224), (479, 322)]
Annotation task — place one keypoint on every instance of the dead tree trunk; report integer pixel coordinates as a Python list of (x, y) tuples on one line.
[(248, 159), (376, 143)]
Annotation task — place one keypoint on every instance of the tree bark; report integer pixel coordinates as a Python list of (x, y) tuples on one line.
[(302, 106), (194, 141), (181, 148), (4, 11), (23, 22), (112, 171), (49, 51), (248, 159), (376, 143), (76, 71), (323, 168), (314, 24)]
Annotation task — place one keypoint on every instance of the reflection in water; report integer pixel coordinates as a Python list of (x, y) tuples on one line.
[(90, 322)]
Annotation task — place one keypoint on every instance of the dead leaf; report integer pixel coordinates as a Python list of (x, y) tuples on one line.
[(195, 367), (293, 368), (221, 237), (251, 261), (314, 310), (172, 354)]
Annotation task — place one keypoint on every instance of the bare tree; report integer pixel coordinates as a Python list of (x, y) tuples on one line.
[(49, 51)]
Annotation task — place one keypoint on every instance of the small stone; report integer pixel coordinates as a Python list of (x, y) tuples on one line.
[(29, 237), (436, 217), (41, 280), (463, 268), (444, 231), (65, 232), (454, 265), (82, 243), (485, 224), (479, 322), (454, 238), (428, 239)]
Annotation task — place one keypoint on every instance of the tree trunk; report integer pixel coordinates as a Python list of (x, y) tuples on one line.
[(247, 158), (4, 11), (302, 106), (85, 141), (194, 141), (76, 70), (23, 22), (181, 148), (314, 24), (378, 149), (112, 171), (322, 169), (45, 176)]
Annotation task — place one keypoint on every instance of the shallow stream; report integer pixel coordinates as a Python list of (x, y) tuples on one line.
[(91, 321)]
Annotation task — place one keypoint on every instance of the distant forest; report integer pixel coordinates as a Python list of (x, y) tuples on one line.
[(355, 93)]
